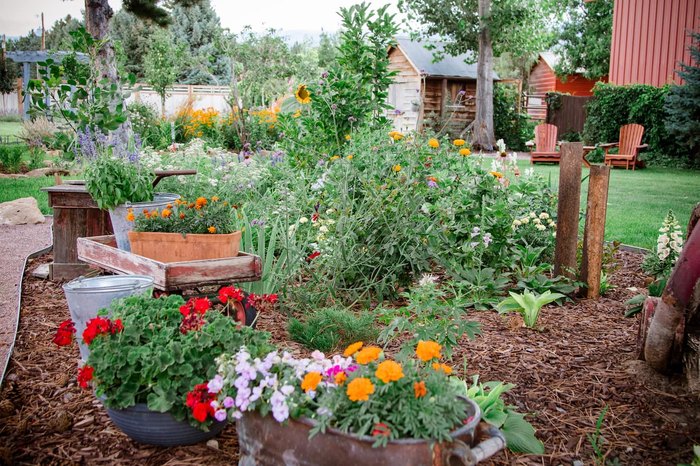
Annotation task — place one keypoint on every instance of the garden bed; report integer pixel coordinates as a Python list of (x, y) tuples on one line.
[(581, 361)]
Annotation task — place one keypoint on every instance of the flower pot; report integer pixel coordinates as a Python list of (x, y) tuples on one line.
[(86, 296), (122, 226), (175, 247), (154, 428), (262, 440)]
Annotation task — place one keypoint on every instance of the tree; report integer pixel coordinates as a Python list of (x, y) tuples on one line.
[(327, 50), (7, 77), (585, 39), (488, 26), (162, 65), (134, 37), (58, 37)]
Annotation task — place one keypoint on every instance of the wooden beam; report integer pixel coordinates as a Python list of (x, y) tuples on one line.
[(568, 209), (443, 98), (594, 233)]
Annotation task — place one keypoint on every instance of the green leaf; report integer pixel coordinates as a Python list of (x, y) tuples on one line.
[(520, 435)]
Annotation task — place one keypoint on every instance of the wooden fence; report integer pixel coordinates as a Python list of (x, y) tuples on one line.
[(568, 114)]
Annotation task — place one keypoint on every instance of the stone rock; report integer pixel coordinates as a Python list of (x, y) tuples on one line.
[(47, 171), (20, 212)]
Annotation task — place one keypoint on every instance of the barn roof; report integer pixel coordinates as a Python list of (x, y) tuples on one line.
[(449, 67), (35, 56)]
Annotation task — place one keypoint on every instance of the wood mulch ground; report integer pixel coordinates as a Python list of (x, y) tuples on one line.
[(581, 360)]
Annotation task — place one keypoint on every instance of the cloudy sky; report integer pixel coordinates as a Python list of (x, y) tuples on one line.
[(306, 15)]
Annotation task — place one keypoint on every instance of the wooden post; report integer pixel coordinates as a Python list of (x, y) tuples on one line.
[(568, 209), (594, 232), (443, 99), (25, 84)]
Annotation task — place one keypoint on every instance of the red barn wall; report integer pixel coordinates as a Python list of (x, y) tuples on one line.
[(577, 85), (541, 78), (650, 38)]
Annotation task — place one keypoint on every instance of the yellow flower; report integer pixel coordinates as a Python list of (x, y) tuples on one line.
[(419, 389), (214, 198), (297, 114), (442, 367), (350, 157), (458, 142), (465, 152), (211, 230), (389, 371), (352, 349), (396, 168), (347, 137), (497, 174), (166, 213), (340, 378), (427, 350), (433, 143), (396, 136), (311, 381), (368, 354), (302, 94), (130, 215), (360, 389), (335, 157)]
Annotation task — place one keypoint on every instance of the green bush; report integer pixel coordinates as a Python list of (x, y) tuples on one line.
[(11, 157), (331, 328), (144, 122), (514, 128)]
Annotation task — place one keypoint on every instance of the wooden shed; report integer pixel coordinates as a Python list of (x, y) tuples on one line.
[(426, 93), (543, 79)]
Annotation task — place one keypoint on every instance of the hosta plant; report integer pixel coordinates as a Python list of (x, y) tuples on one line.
[(527, 304)]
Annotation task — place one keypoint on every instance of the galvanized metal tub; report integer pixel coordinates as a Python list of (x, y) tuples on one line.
[(122, 226), (263, 441)]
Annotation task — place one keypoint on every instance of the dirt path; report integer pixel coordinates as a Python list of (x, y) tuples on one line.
[(16, 243)]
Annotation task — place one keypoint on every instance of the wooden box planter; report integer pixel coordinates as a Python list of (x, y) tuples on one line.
[(175, 247)]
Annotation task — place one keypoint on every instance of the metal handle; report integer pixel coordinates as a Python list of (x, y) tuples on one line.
[(160, 174), (459, 454)]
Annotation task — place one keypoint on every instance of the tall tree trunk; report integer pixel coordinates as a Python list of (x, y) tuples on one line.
[(483, 123)]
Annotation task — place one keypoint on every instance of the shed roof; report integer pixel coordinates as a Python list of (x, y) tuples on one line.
[(35, 56), (550, 58), (449, 67)]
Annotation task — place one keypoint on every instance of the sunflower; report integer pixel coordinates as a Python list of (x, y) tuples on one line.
[(302, 94)]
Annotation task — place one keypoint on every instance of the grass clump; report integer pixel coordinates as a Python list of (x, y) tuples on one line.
[(328, 329)]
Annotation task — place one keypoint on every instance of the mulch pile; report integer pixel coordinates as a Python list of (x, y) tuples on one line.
[(580, 361)]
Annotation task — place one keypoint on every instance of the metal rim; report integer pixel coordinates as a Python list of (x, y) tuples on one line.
[(81, 285)]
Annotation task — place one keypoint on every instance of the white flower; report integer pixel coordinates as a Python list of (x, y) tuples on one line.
[(323, 229), (330, 211), (541, 227), (537, 221), (525, 220), (303, 220), (516, 223), (529, 172), (533, 215), (544, 215), (426, 279)]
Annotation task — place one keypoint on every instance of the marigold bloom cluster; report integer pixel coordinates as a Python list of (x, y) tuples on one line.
[(427, 350), (389, 371), (368, 354), (360, 389)]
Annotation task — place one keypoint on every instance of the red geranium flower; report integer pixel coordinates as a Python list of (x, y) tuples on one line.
[(202, 305), (99, 326), (200, 400), (64, 334), (85, 375), (230, 293)]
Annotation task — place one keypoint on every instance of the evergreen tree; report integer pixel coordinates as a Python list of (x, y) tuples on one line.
[(58, 37), (683, 103), (327, 50), (134, 37)]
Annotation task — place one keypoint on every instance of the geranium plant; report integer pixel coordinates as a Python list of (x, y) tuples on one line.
[(203, 216)]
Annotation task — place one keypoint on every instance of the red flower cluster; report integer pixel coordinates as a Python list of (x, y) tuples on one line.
[(193, 314), (260, 302), (64, 334), (230, 293), (313, 256), (101, 326), (381, 430), (85, 375), (199, 400)]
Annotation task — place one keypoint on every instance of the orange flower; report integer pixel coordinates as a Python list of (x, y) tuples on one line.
[(396, 168), (465, 152), (311, 381), (340, 378), (419, 389), (201, 202), (427, 350), (458, 142), (182, 215), (352, 349), (368, 354), (360, 389), (169, 206), (166, 213), (130, 215), (145, 211), (442, 367), (211, 230), (497, 174), (389, 371), (214, 198), (434, 143)]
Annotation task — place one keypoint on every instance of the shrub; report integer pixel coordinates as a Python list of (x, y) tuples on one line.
[(513, 127), (144, 121), (11, 157), (38, 131), (328, 329)]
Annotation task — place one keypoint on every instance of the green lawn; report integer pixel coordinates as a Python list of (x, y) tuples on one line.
[(639, 200), (10, 128), (15, 188)]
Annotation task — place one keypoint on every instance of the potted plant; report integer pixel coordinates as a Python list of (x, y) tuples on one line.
[(186, 231), (373, 409), (150, 360)]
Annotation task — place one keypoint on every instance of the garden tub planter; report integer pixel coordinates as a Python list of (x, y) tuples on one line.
[(162, 429), (262, 440), (121, 226), (175, 247)]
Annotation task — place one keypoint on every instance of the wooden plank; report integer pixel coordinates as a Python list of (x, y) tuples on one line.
[(62, 272), (568, 209), (594, 233)]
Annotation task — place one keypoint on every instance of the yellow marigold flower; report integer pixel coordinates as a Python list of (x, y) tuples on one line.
[(360, 389), (427, 350), (397, 136), (302, 94), (350, 157), (297, 114), (347, 137), (434, 143), (211, 230), (352, 349), (166, 213), (214, 198), (389, 371), (392, 133), (169, 206), (396, 168), (335, 157), (458, 142), (465, 152), (130, 215), (497, 174), (419, 389), (311, 381), (368, 354), (340, 378), (442, 367)]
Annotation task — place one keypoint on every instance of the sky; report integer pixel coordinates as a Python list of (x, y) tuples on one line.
[(308, 15)]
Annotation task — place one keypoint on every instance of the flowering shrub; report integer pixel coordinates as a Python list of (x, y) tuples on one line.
[(361, 392), (201, 216), (668, 248), (198, 123)]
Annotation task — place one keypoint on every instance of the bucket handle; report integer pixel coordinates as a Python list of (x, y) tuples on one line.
[(160, 174), (459, 454)]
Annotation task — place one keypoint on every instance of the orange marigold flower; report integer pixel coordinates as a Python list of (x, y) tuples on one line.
[(347, 137), (145, 211), (419, 389), (200, 202), (182, 215), (442, 367), (214, 198), (340, 378), (169, 206), (368, 354), (166, 213), (434, 143), (311, 381), (130, 215), (352, 349), (497, 174), (396, 168), (427, 350), (360, 389), (211, 230), (465, 152), (389, 371), (458, 142)]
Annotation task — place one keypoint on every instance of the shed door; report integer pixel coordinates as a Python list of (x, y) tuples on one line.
[(404, 99)]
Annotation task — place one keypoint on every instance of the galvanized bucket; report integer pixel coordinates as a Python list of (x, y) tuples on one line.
[(122, 226), (86, 296), (262, 440)]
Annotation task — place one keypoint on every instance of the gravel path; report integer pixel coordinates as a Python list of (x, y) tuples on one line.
[(16, 243)]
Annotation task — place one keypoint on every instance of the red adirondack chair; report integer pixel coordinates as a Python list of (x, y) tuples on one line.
[(545, 144), (630, 144)]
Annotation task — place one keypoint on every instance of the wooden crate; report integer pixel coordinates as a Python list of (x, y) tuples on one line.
[(102, 252)]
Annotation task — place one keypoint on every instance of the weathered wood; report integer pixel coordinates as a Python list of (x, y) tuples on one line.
[(64, 272), (102, 252), (443, 98), (568, 209), (594, 233)]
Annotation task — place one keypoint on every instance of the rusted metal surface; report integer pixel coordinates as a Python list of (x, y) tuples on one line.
[(263, 441), (101, 251)]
